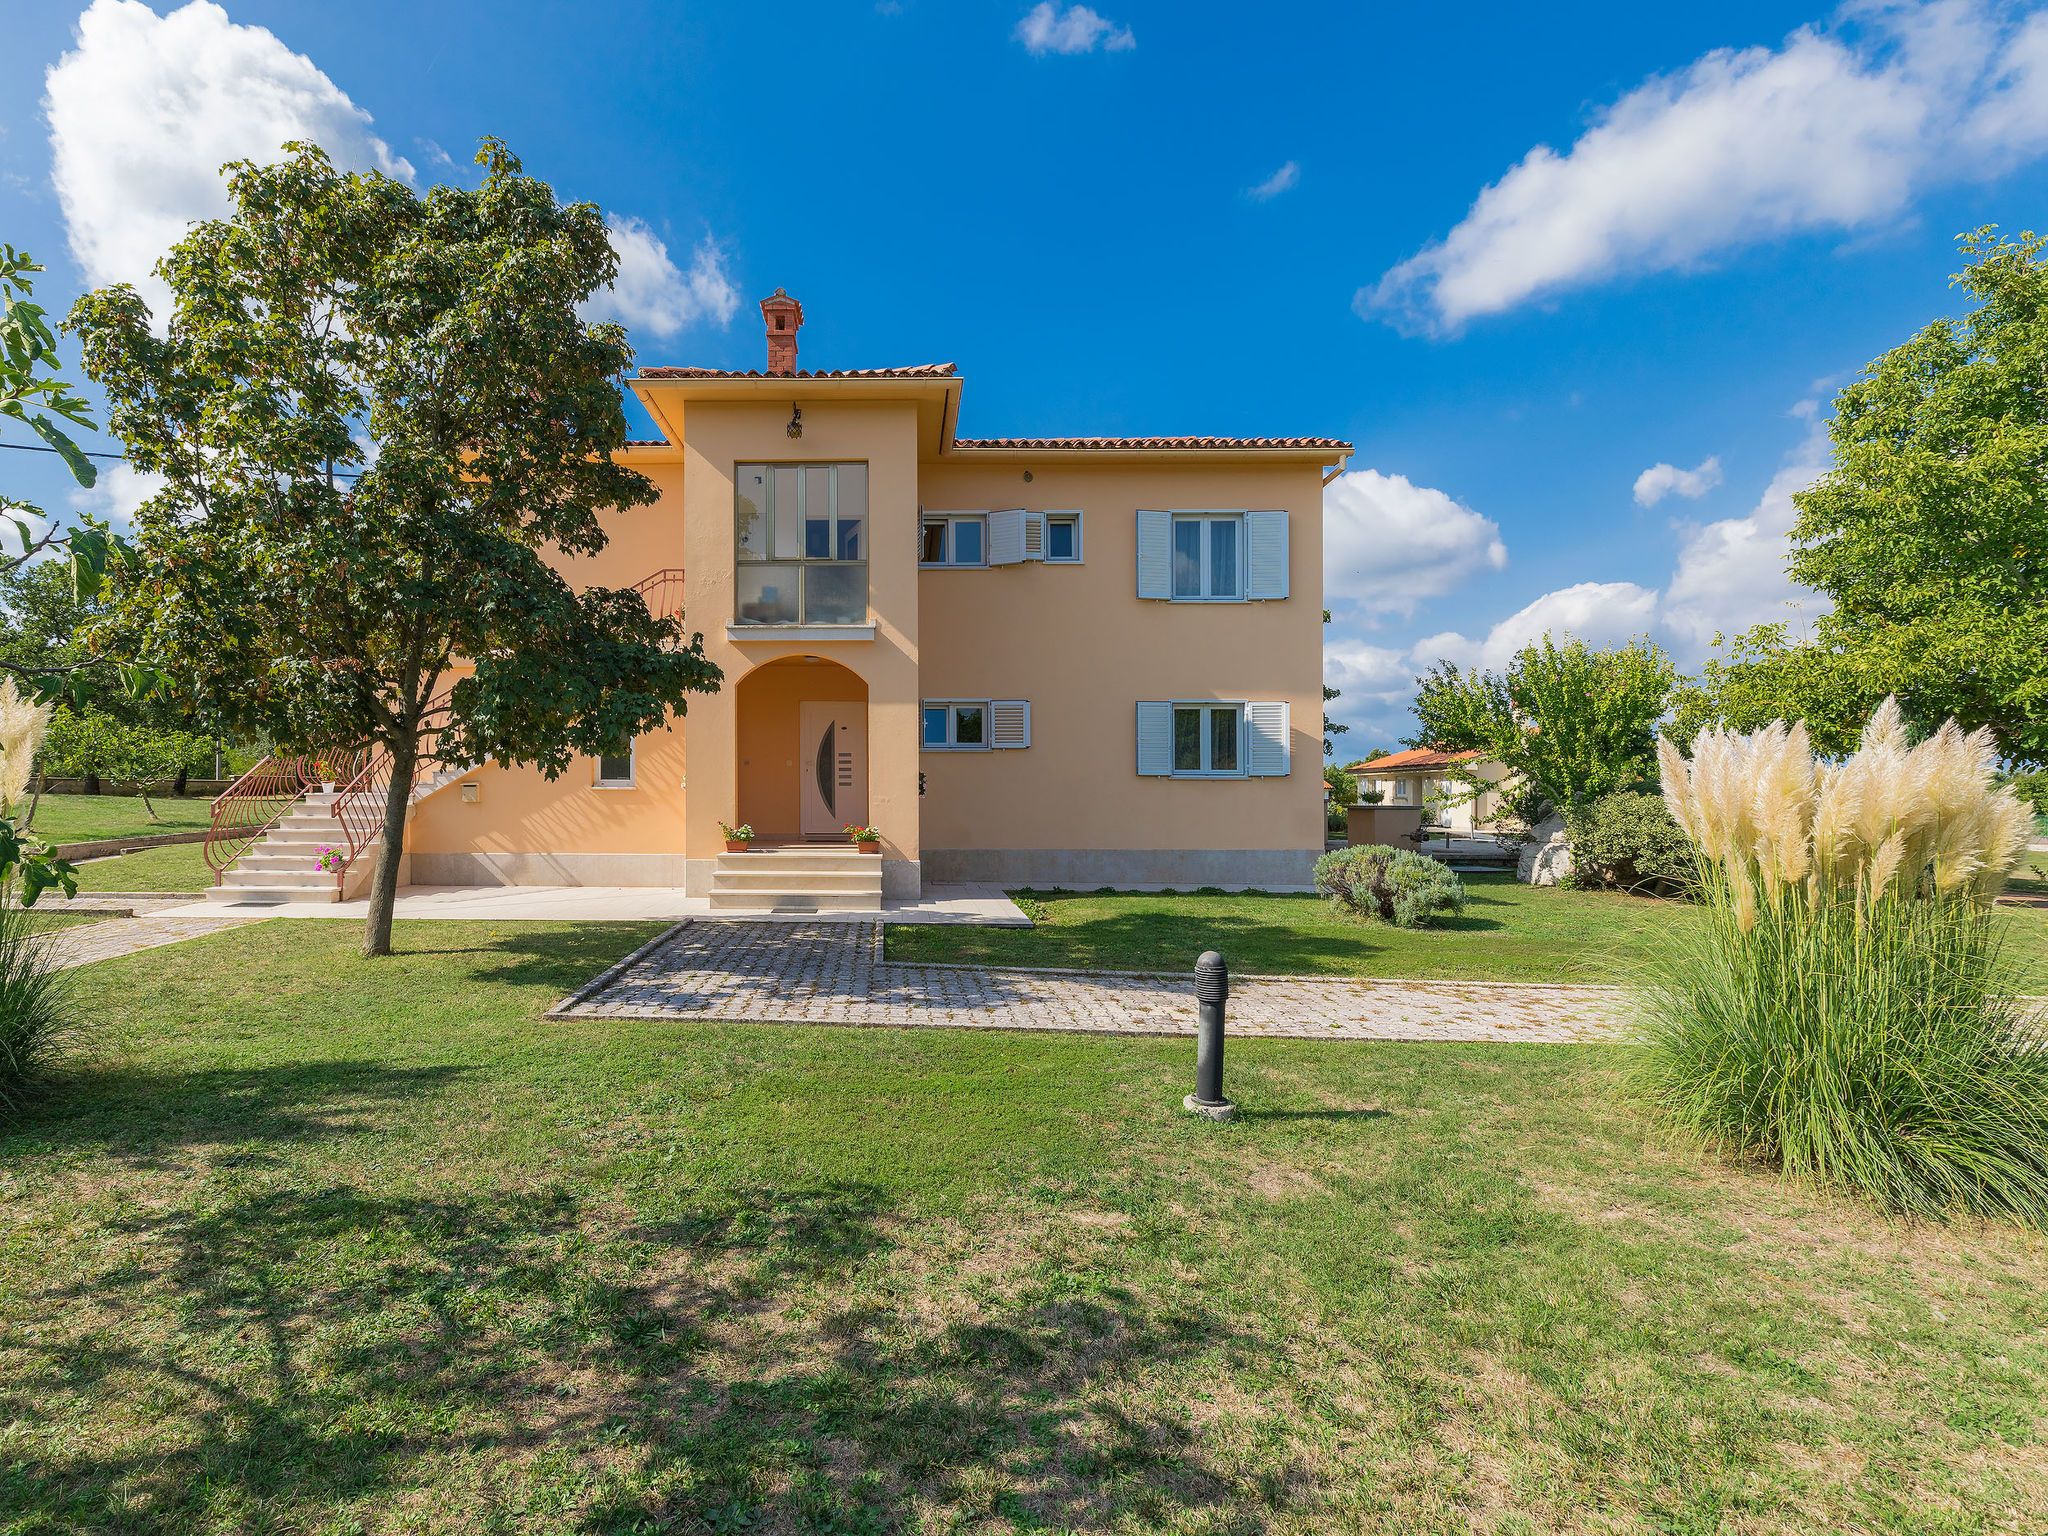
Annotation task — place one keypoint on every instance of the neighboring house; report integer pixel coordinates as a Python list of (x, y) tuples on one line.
[(1413, 777), (1053, 661)]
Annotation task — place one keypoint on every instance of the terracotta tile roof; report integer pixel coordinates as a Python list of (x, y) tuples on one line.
[(1333, 443), (647, 442), (1415, 757), (922, 371)]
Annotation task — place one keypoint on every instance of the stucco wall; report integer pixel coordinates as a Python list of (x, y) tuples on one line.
[(1078, 642), (718, 436)]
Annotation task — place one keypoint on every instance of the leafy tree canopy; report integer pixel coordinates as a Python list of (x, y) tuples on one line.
[(1572, 721), (377, 412), (1929, 534)]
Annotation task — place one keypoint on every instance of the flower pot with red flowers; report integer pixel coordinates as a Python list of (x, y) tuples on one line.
[(865, 839)]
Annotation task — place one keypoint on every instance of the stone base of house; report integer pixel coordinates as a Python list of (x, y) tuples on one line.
[(901, 880), (652, 869), (1237, 869)]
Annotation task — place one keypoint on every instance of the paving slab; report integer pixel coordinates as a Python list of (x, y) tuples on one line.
[(970, 905), (834, 973), (117, 936)]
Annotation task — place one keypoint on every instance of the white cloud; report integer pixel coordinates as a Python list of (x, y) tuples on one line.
[(1838, 128), (1661, 480), (1388, 543), (1282, 180), (119, 491), (145, 110), (1598, 612), (1731, 573), (651, 293), (1048, 29)]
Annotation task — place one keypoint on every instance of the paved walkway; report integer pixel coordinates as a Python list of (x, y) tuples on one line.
[(116, 936), (833, 973), (980, 905)]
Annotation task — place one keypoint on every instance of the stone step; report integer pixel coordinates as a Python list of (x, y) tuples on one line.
[(792, 859), (266, 895), (244, 874), (804, 879), (307, 832), (795, 901), (262, 857)]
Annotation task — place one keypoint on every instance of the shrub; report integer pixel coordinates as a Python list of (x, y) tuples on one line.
[(1843, 1009), (1628, 841), (35, 1017), (1389, 885)]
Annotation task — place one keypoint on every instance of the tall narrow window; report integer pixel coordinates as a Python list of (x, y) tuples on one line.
[(1207, 556)]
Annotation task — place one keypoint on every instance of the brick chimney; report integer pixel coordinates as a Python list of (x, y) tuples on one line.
[(784, 317)]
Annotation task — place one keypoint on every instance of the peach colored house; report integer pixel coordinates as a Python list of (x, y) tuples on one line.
[(1046, 661), (1415, 776)]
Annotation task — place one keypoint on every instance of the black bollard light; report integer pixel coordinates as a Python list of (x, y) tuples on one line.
[(1212, 991)]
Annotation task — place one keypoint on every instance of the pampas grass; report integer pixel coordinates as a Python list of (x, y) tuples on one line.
[(1844, 1009)]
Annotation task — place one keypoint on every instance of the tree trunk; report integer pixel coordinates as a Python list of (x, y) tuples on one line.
[(384, 883), (184, 777), (142, 789), (92, 783)]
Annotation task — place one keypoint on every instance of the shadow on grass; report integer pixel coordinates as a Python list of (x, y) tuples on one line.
[(563, 957), (304, 1349), (135, 1114), (1313, 1114)]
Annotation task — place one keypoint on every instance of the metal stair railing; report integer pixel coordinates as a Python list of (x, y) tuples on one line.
[(258, 800)]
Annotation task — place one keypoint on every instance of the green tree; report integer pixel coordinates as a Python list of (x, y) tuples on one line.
[(32, 394), (1574, 722), (1930, 531), (322, 604), (1762, 675)]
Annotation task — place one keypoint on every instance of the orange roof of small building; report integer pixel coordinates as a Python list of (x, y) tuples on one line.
[(1414, 757)]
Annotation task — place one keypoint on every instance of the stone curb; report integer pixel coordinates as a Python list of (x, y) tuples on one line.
[(104, 847), (598, 982)]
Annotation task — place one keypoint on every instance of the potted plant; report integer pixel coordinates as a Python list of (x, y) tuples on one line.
[(865, 839), (736, 838)]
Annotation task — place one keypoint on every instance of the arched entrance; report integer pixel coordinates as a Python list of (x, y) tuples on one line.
[(802, 744)]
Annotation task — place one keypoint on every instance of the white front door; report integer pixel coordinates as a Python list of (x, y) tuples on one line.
[(832, 756)]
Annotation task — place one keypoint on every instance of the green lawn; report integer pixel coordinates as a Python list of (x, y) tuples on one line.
[(320, 1244), (180, 867), (1509, 932), (88, 818)]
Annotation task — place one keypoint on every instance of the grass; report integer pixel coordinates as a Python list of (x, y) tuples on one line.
[(332, 1245), (89, 818), (1509, 932), (179, 867)]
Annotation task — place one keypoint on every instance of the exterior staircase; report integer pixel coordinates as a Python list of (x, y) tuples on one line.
[(285, 864), (826, 877)]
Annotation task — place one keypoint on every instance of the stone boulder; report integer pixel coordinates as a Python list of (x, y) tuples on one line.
[(1547, 856)]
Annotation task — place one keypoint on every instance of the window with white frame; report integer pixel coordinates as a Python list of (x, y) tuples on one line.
[(1213, 739), (954, 539), (1401, 788), (1208, 739), (1208, 552), (975, 725), (615, 769), (956, 725), (1063, 538)]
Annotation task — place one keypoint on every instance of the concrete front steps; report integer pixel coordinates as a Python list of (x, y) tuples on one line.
[(285, 864), (805, 878)]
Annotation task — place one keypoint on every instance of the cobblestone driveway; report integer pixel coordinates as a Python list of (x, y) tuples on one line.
[(833, 973)]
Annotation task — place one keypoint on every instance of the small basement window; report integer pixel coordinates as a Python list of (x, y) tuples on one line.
[(615, 769)]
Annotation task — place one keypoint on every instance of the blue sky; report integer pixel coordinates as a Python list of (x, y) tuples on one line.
[(1520, 256)]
